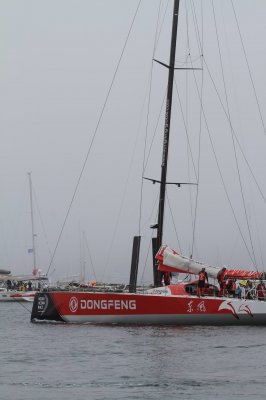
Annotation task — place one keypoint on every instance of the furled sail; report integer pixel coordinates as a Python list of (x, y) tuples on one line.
[(169, 260)]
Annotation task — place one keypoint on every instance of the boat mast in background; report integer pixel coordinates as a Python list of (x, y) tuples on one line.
[(33, 249), (157, 242)]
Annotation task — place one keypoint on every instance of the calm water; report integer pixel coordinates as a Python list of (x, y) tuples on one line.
[(54, 361)]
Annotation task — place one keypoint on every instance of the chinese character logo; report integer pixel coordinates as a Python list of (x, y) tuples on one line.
[(190, 309), (201, 307)]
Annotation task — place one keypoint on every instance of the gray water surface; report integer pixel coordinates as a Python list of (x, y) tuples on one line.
[(56, 361)]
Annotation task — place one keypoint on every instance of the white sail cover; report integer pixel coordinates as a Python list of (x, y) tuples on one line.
[(187, 265), (169, 260)]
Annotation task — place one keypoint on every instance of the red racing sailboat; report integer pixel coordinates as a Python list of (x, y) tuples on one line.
[(172, 304)]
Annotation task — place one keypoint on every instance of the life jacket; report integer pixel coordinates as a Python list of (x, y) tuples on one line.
[(229, 284), (222, 284)]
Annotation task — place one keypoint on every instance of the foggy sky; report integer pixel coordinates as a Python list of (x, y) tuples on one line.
[(57, 62)]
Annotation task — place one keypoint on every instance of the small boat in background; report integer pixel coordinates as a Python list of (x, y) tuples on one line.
[(21, 287)]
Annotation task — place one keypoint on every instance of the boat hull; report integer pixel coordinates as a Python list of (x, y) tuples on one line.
[(146, 309), (16, 296)]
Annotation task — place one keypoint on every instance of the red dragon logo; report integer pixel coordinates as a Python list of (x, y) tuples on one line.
[(243, 308)]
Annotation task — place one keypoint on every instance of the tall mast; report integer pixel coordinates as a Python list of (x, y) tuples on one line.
[(32, 224), (171, 69)]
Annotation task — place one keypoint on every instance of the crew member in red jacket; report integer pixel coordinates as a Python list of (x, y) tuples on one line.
[(167, 278), (201, 283), (261, 291)]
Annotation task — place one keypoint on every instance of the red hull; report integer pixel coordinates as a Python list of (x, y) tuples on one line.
[(88, 307)]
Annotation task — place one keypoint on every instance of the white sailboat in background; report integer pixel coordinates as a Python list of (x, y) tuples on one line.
[(23, 287)]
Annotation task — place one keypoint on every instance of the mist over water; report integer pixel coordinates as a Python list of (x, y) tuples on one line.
[(56, 361)]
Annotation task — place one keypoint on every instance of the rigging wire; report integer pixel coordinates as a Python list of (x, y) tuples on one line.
[(22, 305), (196, 26), (146, 258), (94, 135), (155, 130), (186, 130), (258, 237), (150, 218), (232, 136), (249, 69), (130, 168), (147, 117), (196, 172), (42, 223), (123, 197), (150, 238), (160, 30), (185, 119), (90, 257), (200, 125), (220, 173), (187, 107), (235, 135), (173, 220), (215, 155), (184, 62)]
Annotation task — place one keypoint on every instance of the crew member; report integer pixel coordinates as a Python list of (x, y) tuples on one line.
[(261, 291), (201, 283), (167, 278), (221, 281)]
